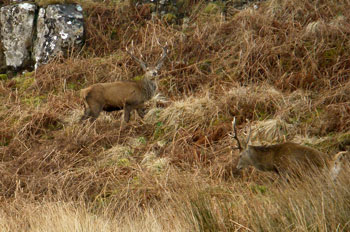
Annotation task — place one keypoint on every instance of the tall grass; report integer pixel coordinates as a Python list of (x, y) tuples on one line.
[(315, 204)]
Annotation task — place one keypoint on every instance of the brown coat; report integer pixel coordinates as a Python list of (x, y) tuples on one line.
[(287, 157), (127, 95)]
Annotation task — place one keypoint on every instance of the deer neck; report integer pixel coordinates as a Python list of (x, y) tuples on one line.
[(149, 87)]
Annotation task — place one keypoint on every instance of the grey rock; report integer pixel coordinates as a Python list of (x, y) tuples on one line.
[(18, 1), (243, 4), (60, 28), (17, 30)]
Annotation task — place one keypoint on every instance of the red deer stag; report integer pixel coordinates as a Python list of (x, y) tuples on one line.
[(286, 158), (126, 95)]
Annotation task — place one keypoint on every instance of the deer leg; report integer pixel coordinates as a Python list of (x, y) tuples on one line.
[(127, 110), (141, 112), (86, 114), (92, 111), (95, 111), (87, 111)]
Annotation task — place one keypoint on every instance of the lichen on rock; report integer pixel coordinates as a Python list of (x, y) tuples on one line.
[(60, 28), (17, 30)]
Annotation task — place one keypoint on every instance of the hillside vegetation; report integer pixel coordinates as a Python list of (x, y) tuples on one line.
[(282, 69)]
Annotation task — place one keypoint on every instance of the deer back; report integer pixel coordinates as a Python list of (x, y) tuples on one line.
[(281, 156)]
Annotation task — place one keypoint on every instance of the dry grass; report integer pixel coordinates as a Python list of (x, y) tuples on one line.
[(316, 204), (284, 67)]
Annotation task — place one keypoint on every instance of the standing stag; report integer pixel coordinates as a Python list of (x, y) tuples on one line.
[(127, 95), (286, 158)]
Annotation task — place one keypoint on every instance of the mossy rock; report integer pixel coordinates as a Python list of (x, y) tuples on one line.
[(3, 67), (45, 3)]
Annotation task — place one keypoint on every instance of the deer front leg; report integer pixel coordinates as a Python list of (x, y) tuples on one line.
[(95, 112), (92, 112), (86, 114)]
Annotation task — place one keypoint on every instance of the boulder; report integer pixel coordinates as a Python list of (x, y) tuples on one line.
[(17, 30), (18, 1), (60, 29)]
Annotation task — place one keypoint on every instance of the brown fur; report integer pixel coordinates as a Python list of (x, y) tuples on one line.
[(127, 95), (288, 158)]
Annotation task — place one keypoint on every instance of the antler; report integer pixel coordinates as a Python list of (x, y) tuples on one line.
[(141, 62), (161, 60), (235, 134), (250, 132)]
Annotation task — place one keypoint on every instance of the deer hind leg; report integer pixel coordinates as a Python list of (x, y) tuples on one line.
[(141, 111), (127, 110)]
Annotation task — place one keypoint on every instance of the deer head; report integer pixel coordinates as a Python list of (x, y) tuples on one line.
[(150, 71)]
